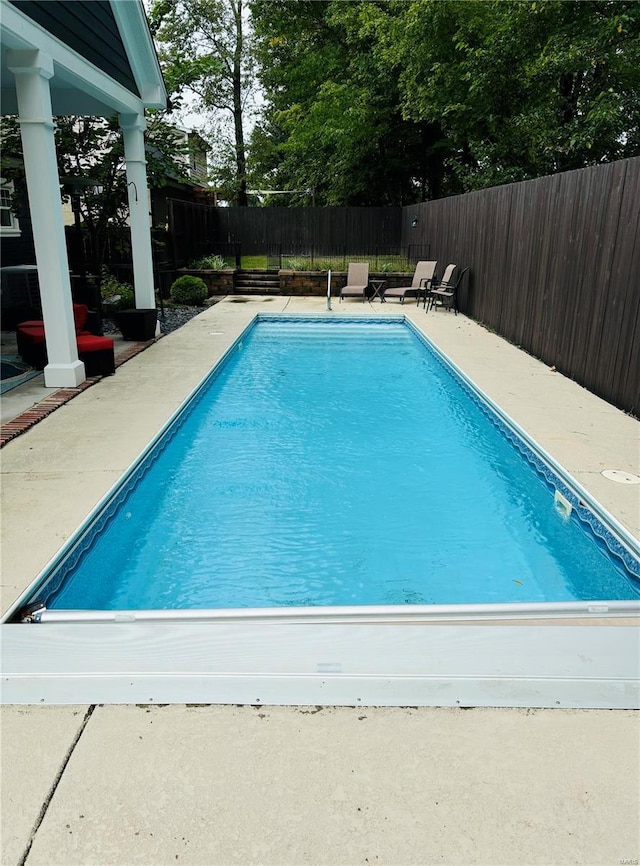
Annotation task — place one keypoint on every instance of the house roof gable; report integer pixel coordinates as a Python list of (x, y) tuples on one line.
[(103, 54), (88, 27)]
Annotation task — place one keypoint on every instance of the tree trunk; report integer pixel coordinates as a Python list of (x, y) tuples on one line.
[(241, 158)]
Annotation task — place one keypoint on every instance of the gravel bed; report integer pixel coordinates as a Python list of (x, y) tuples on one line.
[(172, 319)]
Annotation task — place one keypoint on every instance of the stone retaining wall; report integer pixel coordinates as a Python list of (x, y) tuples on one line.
[(217, 282), (315, 282), (292, 282)]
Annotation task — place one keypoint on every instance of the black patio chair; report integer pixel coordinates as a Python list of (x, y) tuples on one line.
[(445, 293)]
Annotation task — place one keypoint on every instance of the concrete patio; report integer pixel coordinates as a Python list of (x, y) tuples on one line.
[(291, 785)]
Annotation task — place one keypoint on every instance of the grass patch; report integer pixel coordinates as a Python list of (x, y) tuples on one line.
[(254, 262), (377, 264), (215, 262)]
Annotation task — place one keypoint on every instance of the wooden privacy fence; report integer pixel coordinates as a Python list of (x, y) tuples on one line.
[(199, 229), (326, 230), (555, 268), (194, 232)]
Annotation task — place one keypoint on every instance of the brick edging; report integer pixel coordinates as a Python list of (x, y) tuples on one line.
[(27, 419)]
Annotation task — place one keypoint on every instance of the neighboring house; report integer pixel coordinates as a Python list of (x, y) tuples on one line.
[(16, 241), (9, 225), (76, 57), (198, 168), (191, 188)]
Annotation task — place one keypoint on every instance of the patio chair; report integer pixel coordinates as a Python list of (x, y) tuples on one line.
[(444, 279), (97, 352), (421, 283), (445, 293), (357, 281)]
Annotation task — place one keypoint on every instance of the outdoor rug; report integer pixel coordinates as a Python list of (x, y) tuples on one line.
[(14, 372)]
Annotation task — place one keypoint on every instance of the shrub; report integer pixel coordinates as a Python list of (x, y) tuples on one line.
[(209, 263), (297, 264), (127, 300), (187, 290), (116, 295), (386, 268), (306, 264)]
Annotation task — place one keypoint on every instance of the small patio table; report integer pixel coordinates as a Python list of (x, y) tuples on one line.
[(377, 286)]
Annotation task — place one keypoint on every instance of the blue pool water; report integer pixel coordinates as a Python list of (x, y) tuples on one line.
[(335, 463)]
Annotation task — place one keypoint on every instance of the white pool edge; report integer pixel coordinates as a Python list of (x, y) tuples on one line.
[(347, 664)]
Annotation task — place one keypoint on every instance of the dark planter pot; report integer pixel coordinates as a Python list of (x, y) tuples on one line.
[(138, 325)]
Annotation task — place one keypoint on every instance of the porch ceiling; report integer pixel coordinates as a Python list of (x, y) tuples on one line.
[(78, 86)]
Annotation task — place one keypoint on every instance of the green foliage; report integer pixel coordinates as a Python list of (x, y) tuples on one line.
[(187, 290), (115, 294), (333, 130), (388, 103), (300, 264), (524, 89), (397, 264), (92, 149), (251, 262), (212, 263)]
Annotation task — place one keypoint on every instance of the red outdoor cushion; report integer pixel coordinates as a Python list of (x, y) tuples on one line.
[(91, 343), (80, 314), (34, 333), (31, 323)]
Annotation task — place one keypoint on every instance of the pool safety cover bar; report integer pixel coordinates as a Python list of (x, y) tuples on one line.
[(373, 613)]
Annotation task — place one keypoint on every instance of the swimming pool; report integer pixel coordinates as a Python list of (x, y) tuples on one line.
[(514, 653), (338, 463)]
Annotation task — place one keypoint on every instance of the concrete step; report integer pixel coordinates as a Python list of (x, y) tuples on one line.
[(255, 274), (257, 282)]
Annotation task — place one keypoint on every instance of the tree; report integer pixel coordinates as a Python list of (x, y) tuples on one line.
[(375, 102), (204, 49), (521, 89), (333, 127)]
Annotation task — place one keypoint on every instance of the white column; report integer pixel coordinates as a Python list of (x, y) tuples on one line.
[(133, 127), (32, 70)]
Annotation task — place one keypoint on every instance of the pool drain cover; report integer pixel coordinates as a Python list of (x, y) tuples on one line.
[(621, 476)]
